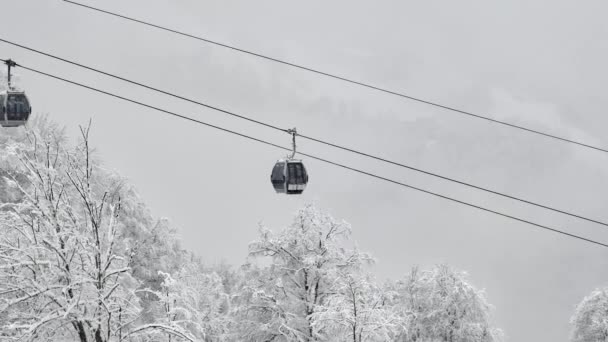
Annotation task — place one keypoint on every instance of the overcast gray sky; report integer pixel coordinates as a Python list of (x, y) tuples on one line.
[(536, 63)]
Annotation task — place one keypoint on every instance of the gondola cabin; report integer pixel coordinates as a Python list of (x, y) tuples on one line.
[(16, 108), (289, 176)]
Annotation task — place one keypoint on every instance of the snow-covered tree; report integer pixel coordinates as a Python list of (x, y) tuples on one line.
[(62, 271), (590, 319), (74, 243), (280, 300), (193, 303), (441, 305), (356, 311)]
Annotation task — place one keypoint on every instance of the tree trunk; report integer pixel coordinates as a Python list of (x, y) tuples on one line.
[(98, 337), (82, 334)]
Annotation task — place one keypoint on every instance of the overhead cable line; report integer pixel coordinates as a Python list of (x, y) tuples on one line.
[(537, 225), (345, 79), (494, 192), (141, 85)]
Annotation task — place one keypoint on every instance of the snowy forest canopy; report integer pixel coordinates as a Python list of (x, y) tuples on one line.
[(82, 259)]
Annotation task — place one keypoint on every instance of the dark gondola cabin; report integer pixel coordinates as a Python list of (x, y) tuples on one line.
[(16, 108), (289, 176)]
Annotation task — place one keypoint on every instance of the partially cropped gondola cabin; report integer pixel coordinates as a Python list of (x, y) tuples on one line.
[(289, 176), (16, 108)]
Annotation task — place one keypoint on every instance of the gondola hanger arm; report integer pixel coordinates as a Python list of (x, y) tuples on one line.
[(293, 132), (10, 64)]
